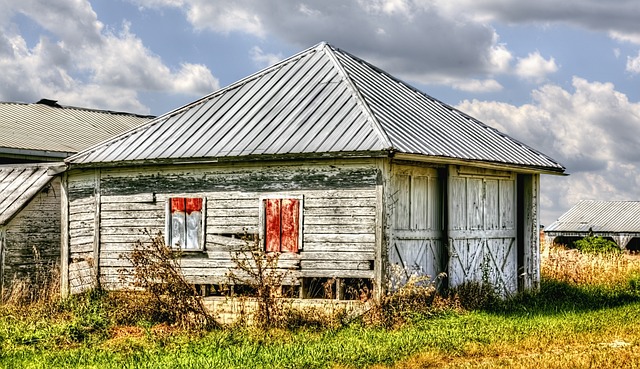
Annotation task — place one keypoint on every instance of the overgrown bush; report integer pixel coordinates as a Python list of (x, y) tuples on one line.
[(409, 297), (166, 296), (634, 283), (90, 314), (474, 295), (257, 271), (597, 245)]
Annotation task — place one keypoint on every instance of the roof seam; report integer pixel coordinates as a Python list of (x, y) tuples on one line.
[(359, 98)]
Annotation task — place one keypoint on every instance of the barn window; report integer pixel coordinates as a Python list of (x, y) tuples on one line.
[(282, 223), (185, 217)]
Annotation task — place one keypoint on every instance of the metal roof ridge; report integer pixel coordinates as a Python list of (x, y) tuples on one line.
[(377, 127), (93, 110), (608, 201), (243, 81), (105, 111)]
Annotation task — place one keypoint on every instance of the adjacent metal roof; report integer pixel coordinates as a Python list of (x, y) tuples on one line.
[(18, 185), (600, 217), (322, 100), (48, 129)]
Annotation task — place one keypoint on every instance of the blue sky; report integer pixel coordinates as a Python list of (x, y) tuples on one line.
[(563, 77)]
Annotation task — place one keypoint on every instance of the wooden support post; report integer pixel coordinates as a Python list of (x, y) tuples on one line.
[(64, 237), (96, 229), (339, 289), (304, 288), (2, 251), (531, 230), (383, 205)]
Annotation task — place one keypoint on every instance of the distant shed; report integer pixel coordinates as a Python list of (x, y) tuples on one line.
[(347, 171), (29, 197), (29, 221), (617, 220), (47, 131)]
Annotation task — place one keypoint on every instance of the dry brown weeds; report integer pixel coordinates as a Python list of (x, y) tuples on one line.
[(42, 288)]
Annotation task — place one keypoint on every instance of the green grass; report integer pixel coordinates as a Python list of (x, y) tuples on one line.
[(355, 346), (561, 326)]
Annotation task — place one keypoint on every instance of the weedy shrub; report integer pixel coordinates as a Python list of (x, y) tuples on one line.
[(89, 315), (597, 245), (257, 272), (634, 282), (409, 297), (166, 295), (474, 295)]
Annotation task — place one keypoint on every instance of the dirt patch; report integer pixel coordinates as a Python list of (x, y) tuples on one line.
[(122, 332)]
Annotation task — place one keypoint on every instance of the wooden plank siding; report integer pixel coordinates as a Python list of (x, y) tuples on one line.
[(359, 216), (80, 229), (31, 240), (339, 216)]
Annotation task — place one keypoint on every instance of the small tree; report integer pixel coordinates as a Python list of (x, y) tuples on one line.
[(156, 270), (258, 270), (597, 245)]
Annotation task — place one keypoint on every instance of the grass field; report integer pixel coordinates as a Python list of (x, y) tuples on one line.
[(575, 321)]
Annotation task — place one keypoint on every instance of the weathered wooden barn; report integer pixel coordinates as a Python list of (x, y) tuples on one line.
[(29, 221), (338, 165), (29, 197), (616, 220)]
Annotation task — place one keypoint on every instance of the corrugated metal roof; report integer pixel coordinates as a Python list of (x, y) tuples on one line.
[(600, 217), (322, 100), (18, 185), (62, 129)]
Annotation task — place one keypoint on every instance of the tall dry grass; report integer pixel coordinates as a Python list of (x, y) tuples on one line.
[(43, 288), (575, 267)]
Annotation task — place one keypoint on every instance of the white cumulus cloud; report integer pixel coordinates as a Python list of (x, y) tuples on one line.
[(633, 64), (263, 59), (476, 85), (535, 68), (80, 63)]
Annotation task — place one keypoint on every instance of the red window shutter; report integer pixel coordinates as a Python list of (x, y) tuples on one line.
[(193, 223), (290, 224), (178, 219), (272, 234), (193, 204), (177, 204)]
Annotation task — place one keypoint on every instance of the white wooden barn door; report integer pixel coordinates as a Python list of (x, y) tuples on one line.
[(482, 228), (416, 246)]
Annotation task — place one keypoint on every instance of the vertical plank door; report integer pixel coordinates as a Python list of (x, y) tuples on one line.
[(416, 246), (482, 228)]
